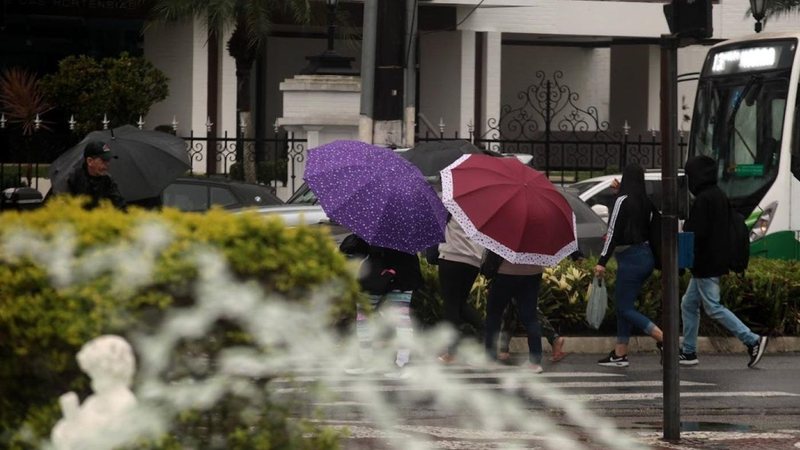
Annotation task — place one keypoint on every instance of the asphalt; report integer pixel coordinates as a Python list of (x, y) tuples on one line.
[(691, 440)]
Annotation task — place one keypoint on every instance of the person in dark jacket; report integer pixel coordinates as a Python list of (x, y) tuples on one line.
[(92, 179), (628, 232), (708, 220), (389, 277)]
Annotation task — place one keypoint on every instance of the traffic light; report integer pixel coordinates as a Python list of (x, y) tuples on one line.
[(689, 18)]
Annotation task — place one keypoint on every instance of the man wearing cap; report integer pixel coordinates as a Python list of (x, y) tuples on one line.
[(92, 179)]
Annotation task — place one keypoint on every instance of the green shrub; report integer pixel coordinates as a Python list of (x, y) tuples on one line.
[(121, 88), (43, 323), (767, 299)]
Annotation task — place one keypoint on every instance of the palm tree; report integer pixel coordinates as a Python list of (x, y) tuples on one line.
[(778, 8), (251, 20)]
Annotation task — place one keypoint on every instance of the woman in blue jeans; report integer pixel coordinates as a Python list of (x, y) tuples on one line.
[(628, 231)]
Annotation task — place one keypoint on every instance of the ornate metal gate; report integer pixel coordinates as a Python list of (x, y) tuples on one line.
[(563, 137)]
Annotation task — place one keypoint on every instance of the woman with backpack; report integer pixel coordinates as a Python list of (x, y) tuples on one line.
[(627, 240), (390, 278)]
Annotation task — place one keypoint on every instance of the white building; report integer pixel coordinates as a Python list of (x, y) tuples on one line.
[(607, 51)]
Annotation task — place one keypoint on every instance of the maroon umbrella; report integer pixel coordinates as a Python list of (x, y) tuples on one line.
[(510, 209)]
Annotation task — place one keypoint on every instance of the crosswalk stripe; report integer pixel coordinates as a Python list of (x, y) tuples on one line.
[(487, 386), (450, 376), (618, 397), (657, 395)]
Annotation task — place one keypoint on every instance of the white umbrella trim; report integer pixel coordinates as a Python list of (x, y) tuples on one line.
[(473, 233)]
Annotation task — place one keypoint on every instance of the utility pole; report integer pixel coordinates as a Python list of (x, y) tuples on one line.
[(368, 47), (686, 19), (669, 234)]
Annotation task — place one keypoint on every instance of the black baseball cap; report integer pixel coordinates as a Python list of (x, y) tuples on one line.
[(97, 149)]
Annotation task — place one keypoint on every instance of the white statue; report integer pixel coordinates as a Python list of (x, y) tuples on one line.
[(109, 362)]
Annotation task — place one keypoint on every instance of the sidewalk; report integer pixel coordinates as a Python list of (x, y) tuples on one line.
[(646, 344), (704, 440)]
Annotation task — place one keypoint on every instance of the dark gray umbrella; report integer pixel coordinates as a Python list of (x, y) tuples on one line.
[(433, 156), (146, 161)]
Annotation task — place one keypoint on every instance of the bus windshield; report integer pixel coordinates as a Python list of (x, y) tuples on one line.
[(738, 121)]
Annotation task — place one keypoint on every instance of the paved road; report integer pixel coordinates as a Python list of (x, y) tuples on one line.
[(724, 405)]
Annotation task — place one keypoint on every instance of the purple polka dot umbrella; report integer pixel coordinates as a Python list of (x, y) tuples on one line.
[(378, 195)]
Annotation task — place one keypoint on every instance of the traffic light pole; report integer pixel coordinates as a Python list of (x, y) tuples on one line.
[(669, 235)]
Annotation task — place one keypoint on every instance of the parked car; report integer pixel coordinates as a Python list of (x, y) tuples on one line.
[(597, 192), (199, 194), (591, 228)]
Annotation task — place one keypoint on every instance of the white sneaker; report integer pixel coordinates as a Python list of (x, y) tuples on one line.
[(400, 373), (535, 368)]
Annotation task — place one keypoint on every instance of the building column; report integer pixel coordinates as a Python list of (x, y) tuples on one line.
[(466, 109), (631, 90), (492, 81), (185, 63)]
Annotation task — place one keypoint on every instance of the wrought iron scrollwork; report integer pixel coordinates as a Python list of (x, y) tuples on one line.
[(545, 107)]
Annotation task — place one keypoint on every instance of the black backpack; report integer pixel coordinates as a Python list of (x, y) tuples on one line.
[(739, 239)]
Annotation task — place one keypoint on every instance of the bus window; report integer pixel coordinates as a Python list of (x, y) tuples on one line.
[(744, 136)]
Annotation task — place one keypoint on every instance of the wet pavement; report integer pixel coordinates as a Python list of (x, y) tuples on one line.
[(724, 405)]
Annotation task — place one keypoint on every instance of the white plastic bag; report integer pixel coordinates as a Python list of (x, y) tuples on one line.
[(597, 302)]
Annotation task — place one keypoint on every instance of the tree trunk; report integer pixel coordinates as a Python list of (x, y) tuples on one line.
[(242, 50)]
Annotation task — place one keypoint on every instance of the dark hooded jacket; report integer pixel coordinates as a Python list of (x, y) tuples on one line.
[(629, 222), (96, 187), (708, 219), (383, 269)]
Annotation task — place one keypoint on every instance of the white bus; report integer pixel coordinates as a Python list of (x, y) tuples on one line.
[(745, 117)]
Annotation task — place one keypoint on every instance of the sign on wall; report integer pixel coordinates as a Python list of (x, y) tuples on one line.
[(86, 8)]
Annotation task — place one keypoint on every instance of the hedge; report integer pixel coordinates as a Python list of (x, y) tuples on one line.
[(767, 299), (62, 287)]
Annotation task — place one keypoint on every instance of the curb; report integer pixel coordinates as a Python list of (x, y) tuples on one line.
[(646, 344)]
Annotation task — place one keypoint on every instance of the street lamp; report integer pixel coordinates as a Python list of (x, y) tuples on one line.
[(329, 62), (758, 8)]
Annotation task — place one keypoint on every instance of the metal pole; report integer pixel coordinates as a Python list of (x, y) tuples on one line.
[(410, 91), (669, 235), (368, 47), (331, 26)]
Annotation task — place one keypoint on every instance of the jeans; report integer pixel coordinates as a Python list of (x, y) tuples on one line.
[(634, 266), (510, 320), (706, 291), (398, 311), (525, 289)]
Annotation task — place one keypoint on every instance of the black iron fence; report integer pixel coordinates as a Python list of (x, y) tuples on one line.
[(25, 160), (564, 140), (275, 158), (576, 159)]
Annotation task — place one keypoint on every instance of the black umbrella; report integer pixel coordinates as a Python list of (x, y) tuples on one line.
[(146, 161), (433, 156)]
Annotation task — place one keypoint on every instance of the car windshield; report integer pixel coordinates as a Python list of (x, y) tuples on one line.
[(303, 196), (583, 186)]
